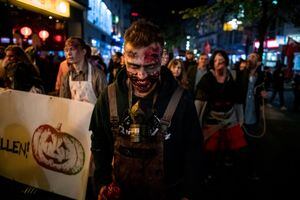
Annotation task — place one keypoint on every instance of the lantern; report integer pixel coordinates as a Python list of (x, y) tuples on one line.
[(58, 38), (26, 31), (44, 34)]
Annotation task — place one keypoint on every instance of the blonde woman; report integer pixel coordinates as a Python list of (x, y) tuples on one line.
[(177, 68)]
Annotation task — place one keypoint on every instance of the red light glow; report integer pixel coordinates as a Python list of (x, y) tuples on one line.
[(58, 38), (26, 31), (43, 34), (134, 14)]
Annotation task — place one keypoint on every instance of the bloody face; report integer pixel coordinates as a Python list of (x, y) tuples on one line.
[(143, 67)]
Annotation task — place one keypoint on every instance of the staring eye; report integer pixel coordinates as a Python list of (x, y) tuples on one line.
[(151, 66)]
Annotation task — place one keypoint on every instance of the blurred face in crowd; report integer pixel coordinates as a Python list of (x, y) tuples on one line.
[(243, 65), (9, 57), (189, 56), (165, 57), (74, 52), (176, 69), (143, 67), (219, 62), (202, 61), (253, 60), (116, 59)]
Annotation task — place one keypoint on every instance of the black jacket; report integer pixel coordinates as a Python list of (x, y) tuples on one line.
[(183, 151)]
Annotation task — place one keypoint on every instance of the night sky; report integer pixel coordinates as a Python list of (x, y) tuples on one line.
[(162, 11)]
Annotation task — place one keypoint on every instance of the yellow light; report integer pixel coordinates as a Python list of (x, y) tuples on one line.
[(58, 7), (62, 7)]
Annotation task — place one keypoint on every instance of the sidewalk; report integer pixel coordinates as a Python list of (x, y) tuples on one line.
[(288, 97)]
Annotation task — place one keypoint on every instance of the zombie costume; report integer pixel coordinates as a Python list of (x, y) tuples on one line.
[(21, 76), (219, 117), (85, 85), (151, 165)]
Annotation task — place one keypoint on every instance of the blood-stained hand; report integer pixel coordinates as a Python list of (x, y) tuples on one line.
[(109, 192)]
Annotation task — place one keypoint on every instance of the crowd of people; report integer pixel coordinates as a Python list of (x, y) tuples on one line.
[(160, 127)]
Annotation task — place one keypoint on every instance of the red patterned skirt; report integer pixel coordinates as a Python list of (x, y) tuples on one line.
[(231, 138)]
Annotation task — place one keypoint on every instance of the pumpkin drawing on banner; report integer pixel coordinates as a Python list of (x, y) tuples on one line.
[(56, 150)]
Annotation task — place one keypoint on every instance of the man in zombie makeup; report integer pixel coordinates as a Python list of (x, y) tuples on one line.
[(146, 137)]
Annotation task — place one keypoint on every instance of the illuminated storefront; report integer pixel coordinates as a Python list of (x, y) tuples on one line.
[(272, 50), (40, 23), (50, 22), (99, 28)]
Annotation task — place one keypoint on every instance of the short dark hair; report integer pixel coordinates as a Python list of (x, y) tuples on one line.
[(223, 54), (18, 52), (75, 41), (79, 42), (142, 33), (203, 54)]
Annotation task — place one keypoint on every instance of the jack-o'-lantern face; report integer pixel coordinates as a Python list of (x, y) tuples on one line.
[(57, 150)]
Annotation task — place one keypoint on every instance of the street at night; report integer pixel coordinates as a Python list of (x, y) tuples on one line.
[(279, 164), (149, 100), (279, 161)]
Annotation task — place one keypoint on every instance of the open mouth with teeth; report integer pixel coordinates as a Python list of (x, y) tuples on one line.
[(142, 85)]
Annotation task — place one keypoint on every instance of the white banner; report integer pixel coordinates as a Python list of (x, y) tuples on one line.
[(45, 142)]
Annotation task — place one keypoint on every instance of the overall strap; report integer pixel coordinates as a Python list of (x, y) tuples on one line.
[(165, 121), (113, 110)]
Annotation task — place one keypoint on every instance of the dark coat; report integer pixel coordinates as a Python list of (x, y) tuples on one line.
[(182, 152), (22, 76)]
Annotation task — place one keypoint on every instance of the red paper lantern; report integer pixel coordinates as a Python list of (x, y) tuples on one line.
[(43, 34), (26, 31)]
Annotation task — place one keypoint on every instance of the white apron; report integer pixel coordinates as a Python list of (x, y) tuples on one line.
[(83, 90)]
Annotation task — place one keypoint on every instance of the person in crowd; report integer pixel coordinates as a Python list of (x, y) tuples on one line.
[(278, 85), (2, 70), (268, 78), (242, 65), (98, 61), (296, 88), (62, 71), (32, 54), (42, 66), (146, 137), (195, 73), (189, 60), (220, 114), (177, 69), (115, 65), (251, 88), (83, 82), (165, 58), (20, 73)]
